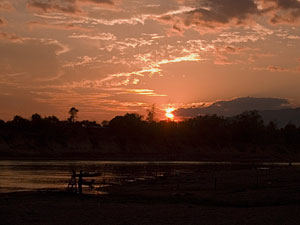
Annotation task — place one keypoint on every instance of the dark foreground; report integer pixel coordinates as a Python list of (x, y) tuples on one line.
[(208, 197)]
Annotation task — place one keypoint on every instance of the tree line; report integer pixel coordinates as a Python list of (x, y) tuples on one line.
[(132, 133)]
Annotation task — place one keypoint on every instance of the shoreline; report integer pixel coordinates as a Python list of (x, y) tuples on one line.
[(270, 163), (230, 158)]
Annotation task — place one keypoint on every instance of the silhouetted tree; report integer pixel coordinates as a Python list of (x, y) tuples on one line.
[(127, 127), (36, 117), (127, 124), (2, 123), (90, 124), (104, 123), (73, 114), (52, 119), (248, 127)]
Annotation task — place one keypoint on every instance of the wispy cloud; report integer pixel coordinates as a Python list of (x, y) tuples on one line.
[(277, 69), (272, 69), (109, 2), (99, 36), (84, 60), (10, 37), (146, 92), (67, 26)]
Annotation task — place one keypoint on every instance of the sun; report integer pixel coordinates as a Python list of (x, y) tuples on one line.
[(169, 113)]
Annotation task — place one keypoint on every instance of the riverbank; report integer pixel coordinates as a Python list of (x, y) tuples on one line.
[(223, 196)]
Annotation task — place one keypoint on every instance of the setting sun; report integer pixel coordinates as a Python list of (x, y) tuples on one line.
[(169, 113)]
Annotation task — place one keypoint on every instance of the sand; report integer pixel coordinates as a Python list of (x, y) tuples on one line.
[(230, 197)]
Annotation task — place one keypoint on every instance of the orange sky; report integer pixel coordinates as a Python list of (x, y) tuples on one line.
[(109, 57)]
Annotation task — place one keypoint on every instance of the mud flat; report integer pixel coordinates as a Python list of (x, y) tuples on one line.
[(235, 196)]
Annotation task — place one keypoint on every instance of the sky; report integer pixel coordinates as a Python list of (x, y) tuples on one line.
[(110, 57)]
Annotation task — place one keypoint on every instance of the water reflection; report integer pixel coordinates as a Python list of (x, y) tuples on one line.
[(22, 175)]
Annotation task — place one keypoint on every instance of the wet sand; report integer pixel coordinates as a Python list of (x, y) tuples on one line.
[(243, 196)]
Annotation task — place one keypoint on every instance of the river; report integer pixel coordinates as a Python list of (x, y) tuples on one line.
[(33, 175)]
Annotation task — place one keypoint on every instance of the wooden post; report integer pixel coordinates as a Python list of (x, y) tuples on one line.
[(80, 183), (75, 180)]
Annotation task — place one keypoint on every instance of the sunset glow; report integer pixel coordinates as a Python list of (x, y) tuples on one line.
[(107, 57), (169, 113)]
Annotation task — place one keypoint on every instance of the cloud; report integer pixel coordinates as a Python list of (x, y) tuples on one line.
[(84, 60), (217, 15), (188, 58), (139, 19), (13, 38), (250, 34), (47, 6), (127, 43), (234, 107), (276, 69), (99, 36), (273, 69), (64, 6), (109, 2), (224, 54), (10, 37), (35, 24), (146, 92), (282, 11), (213, 15)]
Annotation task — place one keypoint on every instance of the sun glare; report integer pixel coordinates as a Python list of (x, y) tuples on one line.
[(169, 113)]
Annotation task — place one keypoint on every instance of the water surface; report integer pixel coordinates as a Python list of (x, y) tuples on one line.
[(27, 175)]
